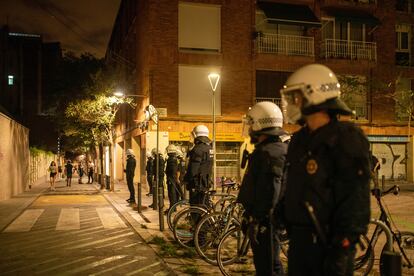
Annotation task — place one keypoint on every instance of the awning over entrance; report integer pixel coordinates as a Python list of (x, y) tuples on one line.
[(360, 16), (279, 13)]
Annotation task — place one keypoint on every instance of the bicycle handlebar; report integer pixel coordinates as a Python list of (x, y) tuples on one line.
[(377, 192)]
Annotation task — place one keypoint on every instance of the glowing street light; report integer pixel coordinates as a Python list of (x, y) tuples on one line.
[(214, 79)]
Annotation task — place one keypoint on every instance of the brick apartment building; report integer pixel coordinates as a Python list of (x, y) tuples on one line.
[(167, 48)]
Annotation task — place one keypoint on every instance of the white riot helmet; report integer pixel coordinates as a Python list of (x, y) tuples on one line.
[(311, 88), (263, 118), (171, 148), (129, 152), (180, 154), (154, 152), (200, 130)]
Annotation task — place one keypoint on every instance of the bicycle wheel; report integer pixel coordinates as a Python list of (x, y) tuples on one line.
[(233, 254), (364, 257), (177, 207), (407, 245), (185, 223), (208, 233)]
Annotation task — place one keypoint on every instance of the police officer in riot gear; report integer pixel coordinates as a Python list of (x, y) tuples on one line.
[(261, 186), (130, 172), (161, 165), (171, 171), (199, 166), (327, 199), (181, 170), (150, 169)]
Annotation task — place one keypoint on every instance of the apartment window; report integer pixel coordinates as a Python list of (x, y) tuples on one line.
[(10, 80), (199, 27), (343, 30), (402, 44), (194, 91)]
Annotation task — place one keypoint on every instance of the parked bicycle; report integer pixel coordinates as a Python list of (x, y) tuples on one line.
[(185, 222), (403, 241), (234, 256), (211, 228), (179, 206)]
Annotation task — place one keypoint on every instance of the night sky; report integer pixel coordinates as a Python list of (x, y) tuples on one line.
[(79, 25)]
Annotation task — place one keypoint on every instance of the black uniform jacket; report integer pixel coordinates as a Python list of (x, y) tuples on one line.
[(262, 181), (130, 166), (171, 168), (200, 164), (329, 168)]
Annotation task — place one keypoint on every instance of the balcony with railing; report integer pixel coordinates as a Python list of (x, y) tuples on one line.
[(349, 49), (290, 45)]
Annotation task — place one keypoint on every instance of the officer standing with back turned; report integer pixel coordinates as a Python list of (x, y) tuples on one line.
[(261, 186), (327, 199), (199, 166)]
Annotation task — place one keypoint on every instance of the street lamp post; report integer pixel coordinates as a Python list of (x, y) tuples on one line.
[(214, 79), (152, 114)]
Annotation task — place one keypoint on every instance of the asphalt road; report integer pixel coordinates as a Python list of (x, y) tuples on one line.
[(74, 234)]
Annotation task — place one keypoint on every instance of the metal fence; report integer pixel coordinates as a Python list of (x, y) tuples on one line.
[(285, 44), (349, 49)]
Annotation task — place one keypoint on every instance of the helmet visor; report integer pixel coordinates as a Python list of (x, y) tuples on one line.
[(293, 100)]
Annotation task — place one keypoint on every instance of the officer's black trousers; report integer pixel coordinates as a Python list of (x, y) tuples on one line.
[(173, 192), (150, 185), (130, 183), (266, 251), (308, 256), (197, 198)]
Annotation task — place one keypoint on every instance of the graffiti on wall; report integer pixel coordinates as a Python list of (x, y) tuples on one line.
[(393, 160)]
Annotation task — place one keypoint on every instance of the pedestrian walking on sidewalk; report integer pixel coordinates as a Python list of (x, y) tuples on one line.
[(327, 199), (130, 172), (262, 185), (80, 172), (171, 171), (53, 169), (150, 169), (91, 169), (68, 172)]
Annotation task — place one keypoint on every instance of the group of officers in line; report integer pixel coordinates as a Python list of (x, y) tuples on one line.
[(316, 186)]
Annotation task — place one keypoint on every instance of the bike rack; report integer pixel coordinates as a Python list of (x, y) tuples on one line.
[(386, 230), (390, 263)]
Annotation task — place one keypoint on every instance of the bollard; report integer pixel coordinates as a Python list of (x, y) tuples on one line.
[(383, 182), (390, 263), (139, 200)]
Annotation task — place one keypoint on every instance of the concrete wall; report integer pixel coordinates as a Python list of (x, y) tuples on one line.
[(39, 164), (14, 157)]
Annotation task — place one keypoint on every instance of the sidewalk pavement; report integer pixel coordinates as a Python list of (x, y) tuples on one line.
[(146, 223)]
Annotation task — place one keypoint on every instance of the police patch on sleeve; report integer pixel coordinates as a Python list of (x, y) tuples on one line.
[(311, 166)]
